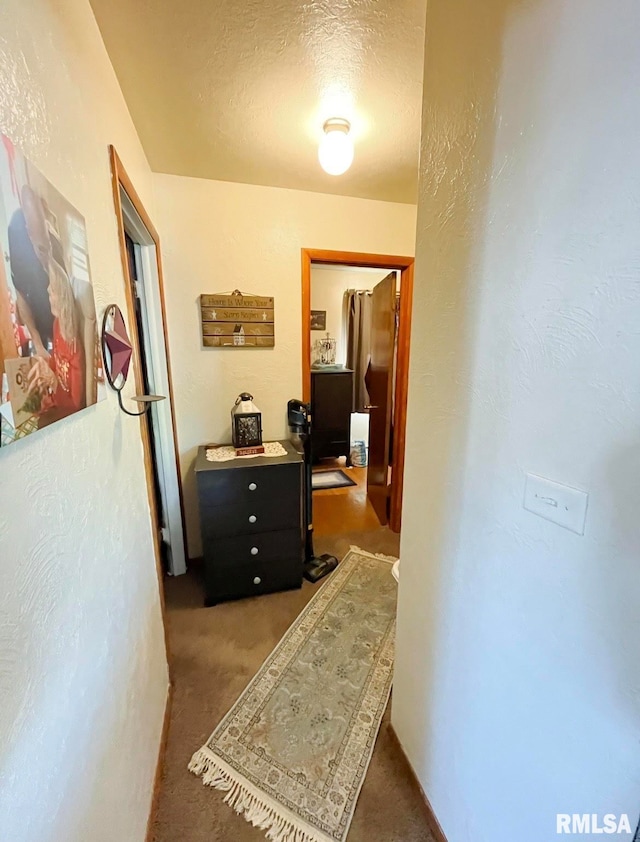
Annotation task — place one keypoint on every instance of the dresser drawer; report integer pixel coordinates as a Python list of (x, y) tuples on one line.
[(329, 444), (251, 579), (246, 485), (267, 547), (258, 514)]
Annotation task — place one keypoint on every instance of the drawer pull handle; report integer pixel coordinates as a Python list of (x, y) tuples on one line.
[(254, 551), (257, 580), (252, 486), (252, 518)]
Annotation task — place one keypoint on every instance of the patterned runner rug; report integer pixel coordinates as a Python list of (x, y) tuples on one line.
[(293, 751)]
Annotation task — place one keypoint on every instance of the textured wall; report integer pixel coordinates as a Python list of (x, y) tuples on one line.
[(517, 689), (83, 676), (218, 236)]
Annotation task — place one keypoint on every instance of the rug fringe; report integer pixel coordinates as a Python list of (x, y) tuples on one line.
[(390, 558), (253, 807)]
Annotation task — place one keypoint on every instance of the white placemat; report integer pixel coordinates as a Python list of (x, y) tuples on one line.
[(227, 452)]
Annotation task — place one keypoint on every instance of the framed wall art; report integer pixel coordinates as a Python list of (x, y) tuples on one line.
[(50, 363), (318, 320)]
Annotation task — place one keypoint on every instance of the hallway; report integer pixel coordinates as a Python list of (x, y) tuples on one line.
[(171, 175), (215, 653)]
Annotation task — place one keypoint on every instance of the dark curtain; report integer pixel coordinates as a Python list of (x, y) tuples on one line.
[(357, 321)]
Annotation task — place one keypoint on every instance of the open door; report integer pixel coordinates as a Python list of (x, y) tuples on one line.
[(379, 383), (142, 270)]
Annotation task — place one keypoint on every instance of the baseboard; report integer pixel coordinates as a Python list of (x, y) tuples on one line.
[(159, 765), (434, 825)]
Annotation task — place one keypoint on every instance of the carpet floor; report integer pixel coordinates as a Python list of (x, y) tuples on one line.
[(215, 652)]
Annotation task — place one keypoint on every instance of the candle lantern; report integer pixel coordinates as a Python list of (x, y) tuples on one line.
[(246, 425)]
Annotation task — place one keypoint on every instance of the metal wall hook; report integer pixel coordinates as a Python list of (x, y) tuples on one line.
[(147, 400)]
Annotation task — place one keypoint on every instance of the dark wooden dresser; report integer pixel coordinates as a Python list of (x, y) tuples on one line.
[(251, 524), (331, 405)]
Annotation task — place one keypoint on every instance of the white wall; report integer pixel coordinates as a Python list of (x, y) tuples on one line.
[(219, 236), (517, 689), (83, 676)]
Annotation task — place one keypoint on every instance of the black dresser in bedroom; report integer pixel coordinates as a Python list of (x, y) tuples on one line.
[(251, 524), (331, 406)]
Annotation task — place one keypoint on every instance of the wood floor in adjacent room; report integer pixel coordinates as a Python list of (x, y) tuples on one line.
[(347, 509), (215, 653)]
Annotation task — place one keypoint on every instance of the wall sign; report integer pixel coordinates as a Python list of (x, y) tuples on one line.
[(237, 321)]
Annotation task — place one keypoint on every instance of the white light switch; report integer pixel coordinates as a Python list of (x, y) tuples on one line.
[(563, 505)]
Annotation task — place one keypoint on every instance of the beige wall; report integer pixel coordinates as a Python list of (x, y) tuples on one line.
[(218, 236), (517, 686), (83, 676)]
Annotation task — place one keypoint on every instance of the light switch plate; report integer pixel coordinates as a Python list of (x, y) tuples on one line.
[(559, 503)]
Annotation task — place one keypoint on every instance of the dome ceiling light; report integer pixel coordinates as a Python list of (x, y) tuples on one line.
[(335, 152)]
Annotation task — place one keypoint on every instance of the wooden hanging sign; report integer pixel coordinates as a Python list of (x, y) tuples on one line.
[(237, 321)]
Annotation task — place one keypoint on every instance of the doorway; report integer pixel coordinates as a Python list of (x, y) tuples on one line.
[(359, 307), (142, 269)]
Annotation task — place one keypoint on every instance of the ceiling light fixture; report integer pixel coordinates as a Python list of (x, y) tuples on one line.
[(335, 152)]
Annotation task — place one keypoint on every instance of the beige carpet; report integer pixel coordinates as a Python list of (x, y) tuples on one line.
[(215, 652)]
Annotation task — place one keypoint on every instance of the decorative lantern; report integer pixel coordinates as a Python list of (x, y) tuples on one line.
[(246, 425)]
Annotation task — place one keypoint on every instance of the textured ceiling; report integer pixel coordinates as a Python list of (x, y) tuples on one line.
[(239, 91)]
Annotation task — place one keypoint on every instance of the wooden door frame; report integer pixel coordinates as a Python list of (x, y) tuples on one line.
[(121, 181), (370, 261)]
